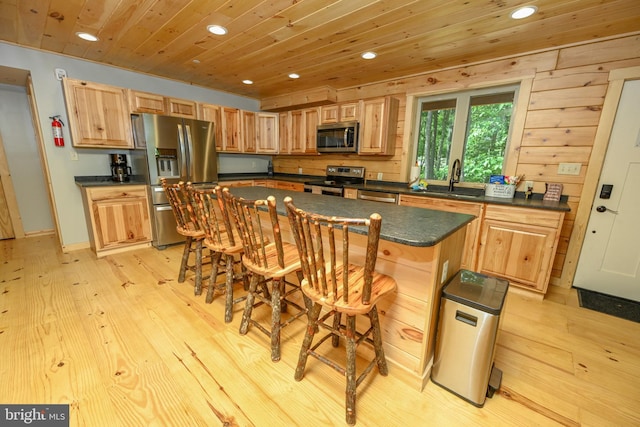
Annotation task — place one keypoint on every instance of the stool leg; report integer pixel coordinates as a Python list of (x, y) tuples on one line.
[(350, 398), (185, 259), (335, 336), (377, 342), (215, 263), (312, 328), (198, 267), (276, 316), (248, 306), (228, 304)]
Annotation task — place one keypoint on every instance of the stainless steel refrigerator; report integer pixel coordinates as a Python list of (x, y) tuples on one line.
[(179, 150)]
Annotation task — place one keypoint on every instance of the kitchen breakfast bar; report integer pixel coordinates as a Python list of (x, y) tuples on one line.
[(420, 248)]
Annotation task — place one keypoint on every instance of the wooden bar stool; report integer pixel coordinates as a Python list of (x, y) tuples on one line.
[(269, 259), (332, 281), (213, 218), (189, 228)]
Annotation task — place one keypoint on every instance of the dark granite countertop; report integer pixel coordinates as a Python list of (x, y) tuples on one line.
[(401, 224), (103, 181), (460, 193)]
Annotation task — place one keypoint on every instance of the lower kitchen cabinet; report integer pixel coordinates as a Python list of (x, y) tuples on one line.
[(519, 244), (472, 238), (117, 217)]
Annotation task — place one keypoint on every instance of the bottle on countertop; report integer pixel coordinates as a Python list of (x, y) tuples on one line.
[(270, 169)]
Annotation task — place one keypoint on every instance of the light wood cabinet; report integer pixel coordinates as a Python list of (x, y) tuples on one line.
[(98, 115), (117, 217), (519, 244), (145, 102), (349, 111), (248, 120), (378, 123), (287, 185), (213, 113), (267, 130), (469, 255), (231, 136), (301, 131), (284, 132), (350, 193)]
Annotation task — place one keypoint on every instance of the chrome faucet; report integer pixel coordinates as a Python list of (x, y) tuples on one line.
[(455, 174)]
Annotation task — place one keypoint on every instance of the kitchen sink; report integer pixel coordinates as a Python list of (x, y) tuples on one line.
[(449, 195)]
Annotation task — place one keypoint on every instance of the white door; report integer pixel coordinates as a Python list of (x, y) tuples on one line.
[(610, 259)]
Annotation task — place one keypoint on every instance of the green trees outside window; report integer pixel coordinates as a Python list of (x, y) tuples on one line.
[(472, 126)]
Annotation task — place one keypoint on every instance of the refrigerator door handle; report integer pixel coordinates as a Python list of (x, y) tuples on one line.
[(183, 154), (191, 170)]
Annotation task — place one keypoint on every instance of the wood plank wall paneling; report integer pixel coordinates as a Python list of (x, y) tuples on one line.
[(569, 85)]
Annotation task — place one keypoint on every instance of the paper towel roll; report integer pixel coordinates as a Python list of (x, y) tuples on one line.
[(415, 173)]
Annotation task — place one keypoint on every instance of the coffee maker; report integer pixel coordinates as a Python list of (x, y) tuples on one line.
[(120, 172)]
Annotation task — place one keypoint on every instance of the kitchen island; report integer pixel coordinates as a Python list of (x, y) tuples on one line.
[(420, 248)]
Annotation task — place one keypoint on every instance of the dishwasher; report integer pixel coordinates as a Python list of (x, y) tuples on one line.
[(378, 196)]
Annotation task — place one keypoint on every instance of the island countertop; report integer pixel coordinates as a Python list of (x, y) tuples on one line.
[(401, 224)]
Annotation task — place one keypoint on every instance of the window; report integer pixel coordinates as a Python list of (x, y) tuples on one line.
[(472, 126)]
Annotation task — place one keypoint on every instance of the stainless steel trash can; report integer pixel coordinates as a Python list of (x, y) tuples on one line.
[(470, 310)]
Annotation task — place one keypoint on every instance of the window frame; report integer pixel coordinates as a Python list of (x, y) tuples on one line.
[(463, 101)]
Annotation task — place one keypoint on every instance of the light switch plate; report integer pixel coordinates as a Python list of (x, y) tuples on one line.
[(60, 73)]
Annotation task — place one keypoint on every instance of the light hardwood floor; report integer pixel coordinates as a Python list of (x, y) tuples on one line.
[(126, 345)]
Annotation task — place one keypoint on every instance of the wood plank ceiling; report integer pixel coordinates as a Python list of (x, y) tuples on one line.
[(321, 40)]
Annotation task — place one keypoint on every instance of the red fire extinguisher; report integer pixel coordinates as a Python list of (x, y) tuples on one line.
[(56, 128)]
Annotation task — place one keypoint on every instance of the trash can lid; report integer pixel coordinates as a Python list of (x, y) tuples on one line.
[(485, 293)]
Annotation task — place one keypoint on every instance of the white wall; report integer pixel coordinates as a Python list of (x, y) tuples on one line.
[(50, 101), (21, 148)]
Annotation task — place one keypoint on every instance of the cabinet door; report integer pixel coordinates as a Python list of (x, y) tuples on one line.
[(212, 113), (180, 108), (311, 121), (120, 216), (284, 132), (287, 185), (248, 131), (329, 114), (520, 253), (350, 112), (472, 239), (98, 115), (378, 126), (143, 102), (231, 129), (297, 132), (267, 133)]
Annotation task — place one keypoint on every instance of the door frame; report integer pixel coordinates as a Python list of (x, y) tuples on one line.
[(9, 194), (617, 78)]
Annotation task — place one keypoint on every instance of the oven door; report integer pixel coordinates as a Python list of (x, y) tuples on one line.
[(319, 189)]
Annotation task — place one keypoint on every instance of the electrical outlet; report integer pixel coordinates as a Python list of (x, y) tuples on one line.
[(74, 155), (299, 171), (60, 73), (445, 271), (528, 185), (379, 176), (569, 168)]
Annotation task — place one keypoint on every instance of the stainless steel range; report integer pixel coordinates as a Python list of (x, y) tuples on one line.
[(337, 177)]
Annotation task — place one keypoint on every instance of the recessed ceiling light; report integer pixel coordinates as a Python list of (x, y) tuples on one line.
[(247, 82), (218, 30), (369, 55), (87, 37), (294, 76), (524, 12), (196, 61)]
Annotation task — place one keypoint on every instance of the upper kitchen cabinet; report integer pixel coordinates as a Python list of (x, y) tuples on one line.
[(213, 113), (144, 102), (303, 131), (267, 133), (98, 115), (346, 112), (378, 124), (231, 135), (284, 132), (248, 120)]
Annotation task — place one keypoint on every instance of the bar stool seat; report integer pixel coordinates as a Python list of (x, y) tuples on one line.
[(269, 260), (225, 246), (334, 283), (187, 227)]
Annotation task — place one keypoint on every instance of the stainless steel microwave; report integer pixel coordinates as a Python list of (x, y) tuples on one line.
[(337, 138)]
